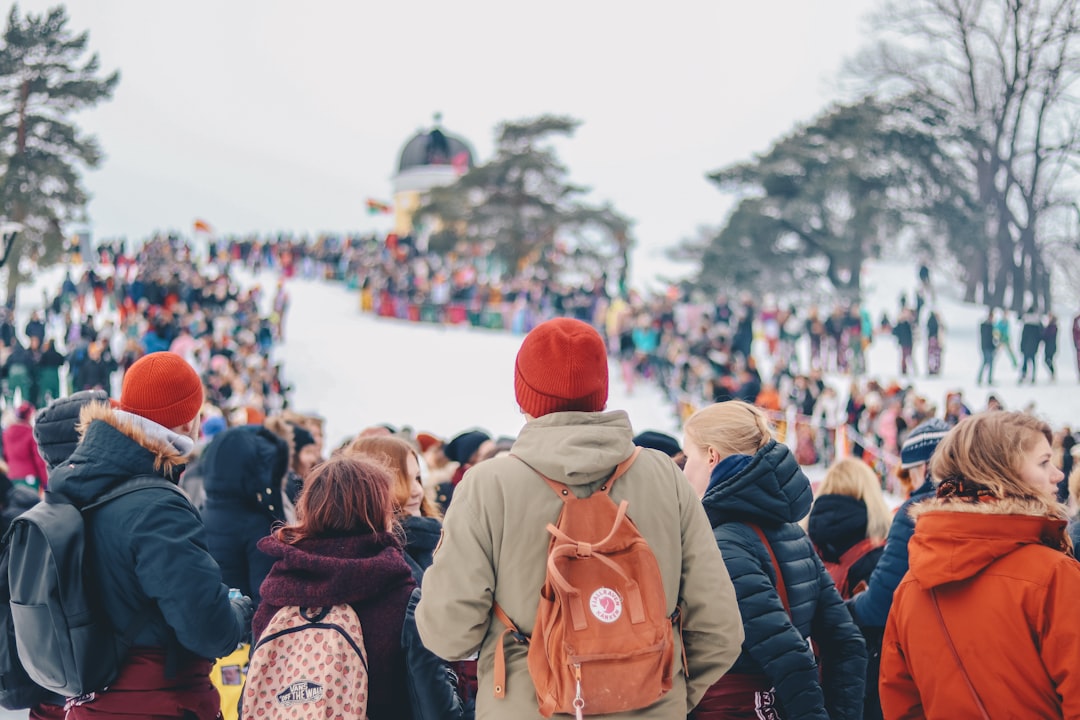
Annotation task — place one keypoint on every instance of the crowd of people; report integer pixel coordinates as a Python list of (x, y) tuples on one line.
[(465, 566)]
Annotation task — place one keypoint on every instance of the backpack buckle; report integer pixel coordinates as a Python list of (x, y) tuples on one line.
[(519, 637)]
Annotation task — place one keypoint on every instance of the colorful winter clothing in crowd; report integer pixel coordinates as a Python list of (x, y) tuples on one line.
[(21, 452), (495, 529)]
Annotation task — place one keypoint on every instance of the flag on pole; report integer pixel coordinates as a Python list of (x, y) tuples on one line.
[(202, 226), (375, 207)]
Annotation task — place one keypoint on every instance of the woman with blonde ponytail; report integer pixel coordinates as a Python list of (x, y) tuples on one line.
[(755, 493), (986, 616)]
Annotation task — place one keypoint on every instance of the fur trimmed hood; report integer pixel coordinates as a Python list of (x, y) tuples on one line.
[(955, 540), (116, 446)]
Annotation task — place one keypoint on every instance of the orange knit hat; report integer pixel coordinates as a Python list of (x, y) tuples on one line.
[(562, 365), (164, 388)]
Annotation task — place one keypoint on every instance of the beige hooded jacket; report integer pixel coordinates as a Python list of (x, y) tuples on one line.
[(494, 549)]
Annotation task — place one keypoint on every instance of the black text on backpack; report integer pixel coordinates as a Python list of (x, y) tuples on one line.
[(64, 638), (308, 663)]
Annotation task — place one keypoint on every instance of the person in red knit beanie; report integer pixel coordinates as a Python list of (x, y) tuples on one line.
[(147, 549), (494, 547)]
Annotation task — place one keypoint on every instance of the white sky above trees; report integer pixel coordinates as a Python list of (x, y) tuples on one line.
[(268, 116)]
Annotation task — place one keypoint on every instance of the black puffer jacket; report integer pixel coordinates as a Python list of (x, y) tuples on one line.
[(770, 490), (838, 523), (243, 469)]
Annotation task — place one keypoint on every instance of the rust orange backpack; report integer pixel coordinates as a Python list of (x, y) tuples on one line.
[(602, 641)]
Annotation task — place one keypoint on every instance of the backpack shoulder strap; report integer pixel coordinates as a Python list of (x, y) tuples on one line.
[(140, 482), (781, 588)]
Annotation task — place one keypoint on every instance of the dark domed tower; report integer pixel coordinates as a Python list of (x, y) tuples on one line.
[(430, 159)]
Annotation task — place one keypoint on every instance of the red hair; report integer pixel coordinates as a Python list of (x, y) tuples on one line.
[(342, 496)]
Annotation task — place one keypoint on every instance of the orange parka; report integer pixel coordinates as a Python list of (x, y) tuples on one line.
[(1007, 587)]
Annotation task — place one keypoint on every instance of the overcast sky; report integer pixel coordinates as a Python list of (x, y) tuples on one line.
[(267, 116)]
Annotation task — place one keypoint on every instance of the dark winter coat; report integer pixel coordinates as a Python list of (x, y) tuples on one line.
[(147, 548), (367, 572), (987, 342), (871, 608), (770, 490), (1050, 340), (904, 334), (838, 523), (421, 536), (242, 471), (1031, 335)]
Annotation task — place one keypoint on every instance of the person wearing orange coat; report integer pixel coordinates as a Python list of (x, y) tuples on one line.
[(985, 622)]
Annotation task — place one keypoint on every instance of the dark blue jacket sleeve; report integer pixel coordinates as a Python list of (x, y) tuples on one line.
[(174, 569), (432, 688), (871, 607), (842, 652), (771, 640)]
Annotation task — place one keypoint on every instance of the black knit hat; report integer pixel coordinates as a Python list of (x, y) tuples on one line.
[(465, 445), (301, 438), (658, 441)]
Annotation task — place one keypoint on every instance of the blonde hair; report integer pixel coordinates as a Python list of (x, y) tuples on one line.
[(988, 449), (855, 479), (731, 428), (392, 453), (1074, 483)]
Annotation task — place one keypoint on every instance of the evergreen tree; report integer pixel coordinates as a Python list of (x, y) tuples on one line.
[(823, 200), (522, 205), (45, 78)]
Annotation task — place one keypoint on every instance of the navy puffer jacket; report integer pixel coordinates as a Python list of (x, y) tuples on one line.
[(770, 490), (871, 607)]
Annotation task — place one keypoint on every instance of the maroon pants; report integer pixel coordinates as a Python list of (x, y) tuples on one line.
[(142, 692), (738, 697)]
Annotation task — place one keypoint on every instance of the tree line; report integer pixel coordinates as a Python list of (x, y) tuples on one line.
[(963, 140)]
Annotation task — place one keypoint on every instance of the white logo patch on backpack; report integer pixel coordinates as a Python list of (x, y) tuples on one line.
[(310, 663)]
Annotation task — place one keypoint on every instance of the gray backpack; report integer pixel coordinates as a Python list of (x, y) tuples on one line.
[(64, 638)]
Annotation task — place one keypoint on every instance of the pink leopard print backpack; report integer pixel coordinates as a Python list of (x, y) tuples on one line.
[(309, 663)]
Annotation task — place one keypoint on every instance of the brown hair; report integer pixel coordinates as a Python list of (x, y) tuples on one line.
[(342, 496), (393, 453), (856, 479), (987, 450), (731, 428)]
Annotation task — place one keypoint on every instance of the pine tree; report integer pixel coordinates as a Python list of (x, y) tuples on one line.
[(45, 78), (522, 205)]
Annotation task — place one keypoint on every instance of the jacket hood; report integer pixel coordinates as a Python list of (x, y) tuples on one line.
[(329, 571), (837, 523), (115, 447), (956, 540), (770, 489), (243, 461), (576, 448)]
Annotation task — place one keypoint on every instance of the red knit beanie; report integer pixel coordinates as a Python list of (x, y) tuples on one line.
[(562, 365), (162, 387)]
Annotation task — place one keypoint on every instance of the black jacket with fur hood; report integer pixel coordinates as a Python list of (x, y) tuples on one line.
[(147, 547)]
